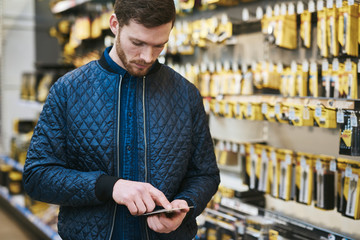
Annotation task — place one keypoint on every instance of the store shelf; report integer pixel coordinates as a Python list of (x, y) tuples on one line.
[(16, 202), (308, 231)]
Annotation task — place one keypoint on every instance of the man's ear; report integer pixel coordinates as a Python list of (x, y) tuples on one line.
[(114, 24)]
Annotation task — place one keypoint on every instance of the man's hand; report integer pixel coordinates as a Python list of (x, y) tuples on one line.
[(139, 197), (162, 223)]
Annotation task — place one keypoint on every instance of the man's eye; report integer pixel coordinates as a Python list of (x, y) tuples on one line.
[(137, 43)]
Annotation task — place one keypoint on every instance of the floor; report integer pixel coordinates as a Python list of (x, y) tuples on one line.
[(10, 229)]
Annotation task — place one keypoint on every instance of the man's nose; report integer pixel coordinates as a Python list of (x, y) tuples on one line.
[(147, 54)]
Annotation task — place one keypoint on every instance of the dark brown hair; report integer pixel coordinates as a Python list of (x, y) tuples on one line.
[(149, 13)]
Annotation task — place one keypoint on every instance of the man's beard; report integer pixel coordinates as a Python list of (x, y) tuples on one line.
[(133, 71)]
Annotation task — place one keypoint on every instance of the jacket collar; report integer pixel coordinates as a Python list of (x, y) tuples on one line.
[(102, 61)]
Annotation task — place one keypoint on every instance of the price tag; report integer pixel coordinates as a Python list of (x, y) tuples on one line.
[(311, 6), (228, 146), (335, 64), (348, 172), (217, 107), (280, 68), (303, 162), (329, 3), (333, 165), (288, 159), (306, 113), (293, 66), (235, 148), (353, 120), (264, 108), (277, 108), (221, 146), (338, 3), (249, 109), (264, 156), (348, 65), (283, 9), (313, 67), (300, 7), (320, 5), (238, 108), (291, 9), (318, 110), (292, 115), (268, 11), (227, 108), (273, 157), (350, 2), (340, 116), (276, 10), (242, 149), (305, 66), (318, 165), (259, 13), (325, 65), (245, 15)]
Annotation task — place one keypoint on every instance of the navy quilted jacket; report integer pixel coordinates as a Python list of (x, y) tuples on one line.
[(76, 141)]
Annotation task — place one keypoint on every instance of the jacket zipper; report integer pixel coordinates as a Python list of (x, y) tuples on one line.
[(117, 153), (145, 148)]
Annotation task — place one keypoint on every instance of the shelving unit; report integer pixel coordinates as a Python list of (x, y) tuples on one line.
[(15, 203)]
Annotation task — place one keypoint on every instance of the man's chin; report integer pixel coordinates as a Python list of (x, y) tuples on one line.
[(138, 72)]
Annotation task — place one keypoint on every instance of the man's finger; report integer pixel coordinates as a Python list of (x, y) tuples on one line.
[(160, 199)]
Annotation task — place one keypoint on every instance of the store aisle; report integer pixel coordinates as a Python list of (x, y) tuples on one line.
[(10, 229)]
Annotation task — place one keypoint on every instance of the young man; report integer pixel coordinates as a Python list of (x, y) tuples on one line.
[(124, 134)]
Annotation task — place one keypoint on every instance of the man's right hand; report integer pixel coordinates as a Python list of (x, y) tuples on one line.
[(139, 197)]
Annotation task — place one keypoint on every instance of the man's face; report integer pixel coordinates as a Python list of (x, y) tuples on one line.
[(138, 47)]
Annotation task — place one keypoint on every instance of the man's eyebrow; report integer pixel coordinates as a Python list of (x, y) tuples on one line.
[(141, 41)]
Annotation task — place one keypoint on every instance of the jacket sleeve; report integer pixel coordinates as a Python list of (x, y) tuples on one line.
[(47, 176), (202, 179)]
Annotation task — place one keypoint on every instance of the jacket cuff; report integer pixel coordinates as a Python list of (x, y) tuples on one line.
[(104, 187)]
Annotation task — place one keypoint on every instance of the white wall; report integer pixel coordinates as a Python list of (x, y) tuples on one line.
[(18, 56)]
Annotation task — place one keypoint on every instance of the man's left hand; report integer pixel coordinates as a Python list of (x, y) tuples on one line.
[(163, 223)]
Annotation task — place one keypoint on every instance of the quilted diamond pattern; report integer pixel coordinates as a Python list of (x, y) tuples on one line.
[(75, 142)]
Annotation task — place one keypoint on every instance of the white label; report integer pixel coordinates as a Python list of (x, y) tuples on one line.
[(217, 107), (293, 66), (313, 67), (273, 157), (249, 109), (277, 108), (318, 111), (318, 165), (311, 6), (269, 11), (288, 159), (329, 3), (305, 66), (350, 2), (245, 15), (242, 149), (259, 13), (228, 146), (264, 108), (333, 165), (338, 3), (335, 64), (340, 116), (264, 156), (227, 108), (221, 146), (235, 147), (320, 5), (325, 65), (348, 65), (280, 68), (303, 162), (306, 113), (283, 9), (292, 115), (276, 10), (300, 7), (291, 9), (348, 172)]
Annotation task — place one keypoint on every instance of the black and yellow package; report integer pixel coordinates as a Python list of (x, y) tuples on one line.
[(348, 29), (264, 183), (349, 194), (322, 33), (324, 182), (274, 173), (286, 181), (304, 178), (305, 28), (332, 31)]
